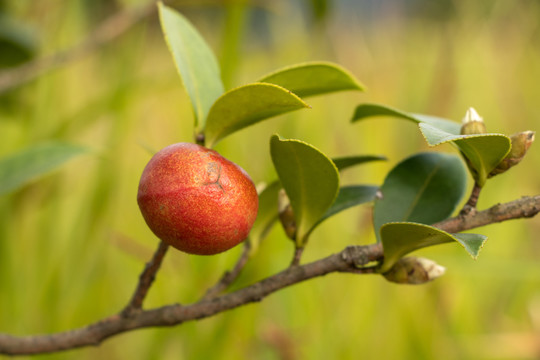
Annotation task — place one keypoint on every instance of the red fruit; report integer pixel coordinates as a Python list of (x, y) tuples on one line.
[(194, 199)]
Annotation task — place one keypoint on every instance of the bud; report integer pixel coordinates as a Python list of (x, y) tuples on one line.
[(414, 270), (472, 123), (521, 142), (286, 215)]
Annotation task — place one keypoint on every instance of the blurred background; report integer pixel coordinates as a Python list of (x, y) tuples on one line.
[(73, 243)]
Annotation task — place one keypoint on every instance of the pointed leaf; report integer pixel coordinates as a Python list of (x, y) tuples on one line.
[(424, 188), (473, 243), (194, 61), (310, 180), (348, 161), (18, 169), (399, 239), (364, 111), (246, 105), (313, 78), (484, 151), (350, 196)]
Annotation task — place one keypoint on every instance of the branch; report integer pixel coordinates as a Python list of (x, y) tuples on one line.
[(145, 281), (473, 200), (298, 251), (352, 259), (230, 276), (526, 207), (176, 314), (107, 31)]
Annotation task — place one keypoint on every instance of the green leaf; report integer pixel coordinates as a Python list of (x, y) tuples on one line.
[(267, 215), (194, 61), (345, 162), (401, 238), (483, 151), (365, 111), (349, 196), (424, 188), (473, 243), (313, 78), (310, 179), (246, 105), (29, 164)]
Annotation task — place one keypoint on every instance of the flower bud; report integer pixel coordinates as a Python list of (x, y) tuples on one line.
[(472, 123), (521, 142), (414, 270), (286, 215)]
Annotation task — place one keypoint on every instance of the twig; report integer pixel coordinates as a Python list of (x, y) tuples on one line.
[(351, 259), (230, 276), (298, 251), (145, 281), (527, 206), (170, 315), (107, 31), (473, 200)]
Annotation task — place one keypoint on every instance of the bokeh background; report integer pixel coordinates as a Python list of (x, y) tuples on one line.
[(73, 243)]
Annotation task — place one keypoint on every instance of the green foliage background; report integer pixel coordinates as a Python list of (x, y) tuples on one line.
[(73, 243)]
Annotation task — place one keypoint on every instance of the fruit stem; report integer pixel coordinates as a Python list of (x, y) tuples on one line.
[(200, 139), (145, 281)]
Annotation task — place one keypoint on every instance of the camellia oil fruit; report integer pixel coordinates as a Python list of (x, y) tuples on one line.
[(197, 201)]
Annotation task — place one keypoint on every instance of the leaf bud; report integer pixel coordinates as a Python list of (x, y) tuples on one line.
[(472, 123), (414, 270), (521, 142), (286, 215)]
